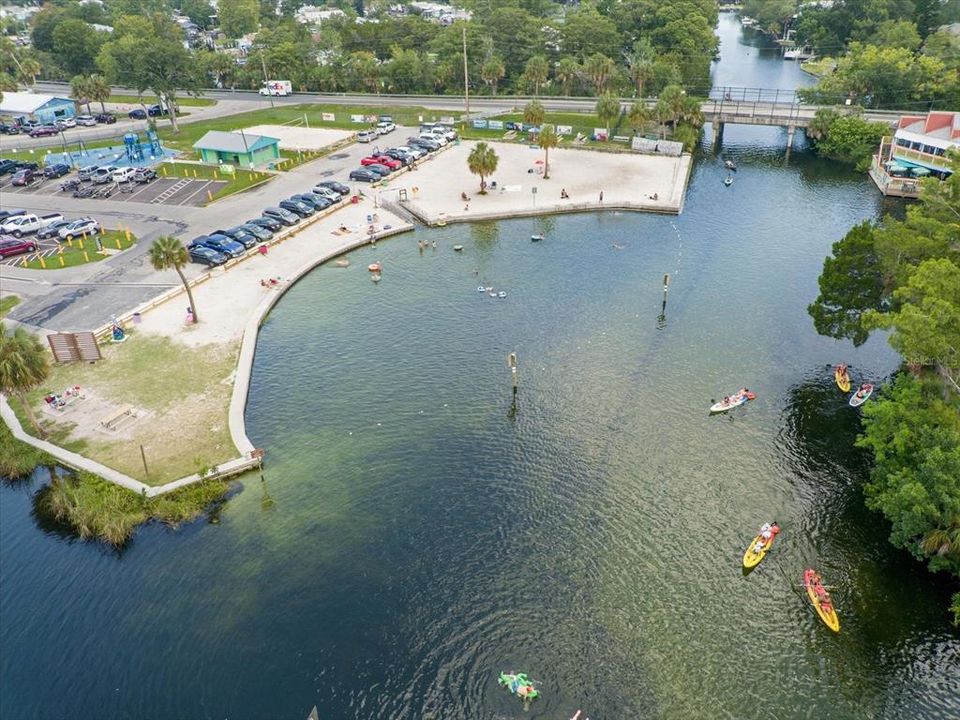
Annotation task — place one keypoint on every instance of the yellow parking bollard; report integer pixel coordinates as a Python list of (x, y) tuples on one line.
[(194, 173), (42, 263), (24, 263), (127, 233), (86, 258), (216, 175), (61, 260), (209, 196), (163, 171), (118, 240), (70, 242)]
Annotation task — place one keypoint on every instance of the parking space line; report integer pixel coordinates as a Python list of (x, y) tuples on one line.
[(131, 196), (192, 195)]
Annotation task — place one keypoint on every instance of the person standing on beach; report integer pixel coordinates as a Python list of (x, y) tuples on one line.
[(601, 196)]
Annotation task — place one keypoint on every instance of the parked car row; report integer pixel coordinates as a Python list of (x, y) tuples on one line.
[(151, 111), (219, 246), (36, 129), (17, 225), (379, 164)]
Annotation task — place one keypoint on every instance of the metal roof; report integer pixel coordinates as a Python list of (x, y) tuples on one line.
[(234, 142), (26, 102)]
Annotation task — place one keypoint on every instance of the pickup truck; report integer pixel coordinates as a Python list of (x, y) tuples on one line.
[(20, 225)]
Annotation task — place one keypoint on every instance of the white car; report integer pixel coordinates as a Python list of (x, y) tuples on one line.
[(416, 153), (78, 227), (436, 138), (86, 120), (444, 132), (123, 175), (67, 122), (385, 127), (366, 136), (328, 193)]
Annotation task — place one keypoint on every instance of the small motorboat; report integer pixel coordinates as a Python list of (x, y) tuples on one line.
[(752, 557), (842, 378), (739, 398), (820, 599), (458, 248), (730, 165), (342, 262), (376, 277), (536, 238), (501, 294), (861, 395), (481, 289), (728, 180), (519, 684), (374, 267), (491, 292)]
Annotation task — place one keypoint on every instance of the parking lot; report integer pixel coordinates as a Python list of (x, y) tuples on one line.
[(162, 191)]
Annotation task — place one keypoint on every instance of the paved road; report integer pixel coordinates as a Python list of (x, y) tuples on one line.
[(88, 296)]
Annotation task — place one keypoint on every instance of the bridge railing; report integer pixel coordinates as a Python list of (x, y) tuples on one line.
[(730, 93), (777, 113)]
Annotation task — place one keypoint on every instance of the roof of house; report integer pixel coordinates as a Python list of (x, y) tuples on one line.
[(26, 102), (235, 142), (939, 125)]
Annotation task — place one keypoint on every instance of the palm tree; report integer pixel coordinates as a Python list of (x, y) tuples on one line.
[(640, 64), (28, 71), (483, 161), (546, 140), (943, 541), (567, 72), (23, 365), (608, 109), (168, 252), (79, 91), (598, 68), (536, 72), (638, 115), (98, 90), (534, 113), (492, 72)]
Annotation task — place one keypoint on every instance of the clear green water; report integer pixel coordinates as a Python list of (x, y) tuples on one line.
[(411, 539)]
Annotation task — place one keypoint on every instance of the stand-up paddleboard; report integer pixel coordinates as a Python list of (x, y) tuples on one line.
[(741, 397), (861, 395)]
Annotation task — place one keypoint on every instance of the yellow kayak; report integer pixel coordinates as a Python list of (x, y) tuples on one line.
[(842, 379), (751, 558), (822, 602)]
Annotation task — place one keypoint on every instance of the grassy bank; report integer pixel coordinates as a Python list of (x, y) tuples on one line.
[(237, 181), (94, 508), (580, 123), (180, 395), (17, 459)]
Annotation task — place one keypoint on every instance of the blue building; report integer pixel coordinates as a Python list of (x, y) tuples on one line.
[(46, 109)]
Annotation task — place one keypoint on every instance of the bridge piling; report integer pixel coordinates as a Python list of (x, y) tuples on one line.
[(717, 134)]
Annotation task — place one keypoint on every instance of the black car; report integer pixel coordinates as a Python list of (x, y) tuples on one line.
[(398, 155), (137, 114), (205, 255), (157, 111), (297, 206), (241, 235), (428, 145), (318, 202), (381, 170), (364, 175), (9, 129), (221, 243), (56, 170), (44, 131), (7, 166), (334, 185), (261, 232), (144, 175), (26, 165), (4, 214), (52, 230), (283, 215), (106, 119), (270, 223)]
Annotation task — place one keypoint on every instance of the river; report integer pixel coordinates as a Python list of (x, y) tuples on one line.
[(412, 536)]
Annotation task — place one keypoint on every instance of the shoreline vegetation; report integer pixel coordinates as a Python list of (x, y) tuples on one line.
[(903, 276)]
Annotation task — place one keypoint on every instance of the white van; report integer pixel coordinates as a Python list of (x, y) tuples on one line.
[(123, 174)]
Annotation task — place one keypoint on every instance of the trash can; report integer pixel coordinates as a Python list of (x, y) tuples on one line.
[(136, 318)]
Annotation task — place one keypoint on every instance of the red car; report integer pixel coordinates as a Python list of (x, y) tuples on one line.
[(12, 246), (382, 160)]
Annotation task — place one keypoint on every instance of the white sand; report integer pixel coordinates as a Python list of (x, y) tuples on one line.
[(292, 137), (627, 180)]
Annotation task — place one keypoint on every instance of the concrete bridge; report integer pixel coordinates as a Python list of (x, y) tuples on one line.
[(773, 108)]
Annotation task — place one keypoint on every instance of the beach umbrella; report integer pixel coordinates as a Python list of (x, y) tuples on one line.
[(919, 171)]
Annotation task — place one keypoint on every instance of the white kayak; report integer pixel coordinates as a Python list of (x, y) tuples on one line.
[(861, 395), (735, 400)]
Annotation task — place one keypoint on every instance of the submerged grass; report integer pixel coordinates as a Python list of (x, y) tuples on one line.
[(94, 508)]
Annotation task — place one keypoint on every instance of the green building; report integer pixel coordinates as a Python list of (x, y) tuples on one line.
[(237, 148)]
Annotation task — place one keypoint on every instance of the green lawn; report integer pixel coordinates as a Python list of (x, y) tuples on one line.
[(185, 101), (79, 252), (584, 123), (7, 304), (238, 181)]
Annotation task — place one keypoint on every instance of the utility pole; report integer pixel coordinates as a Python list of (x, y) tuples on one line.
[(263, 64), (466, 73)]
